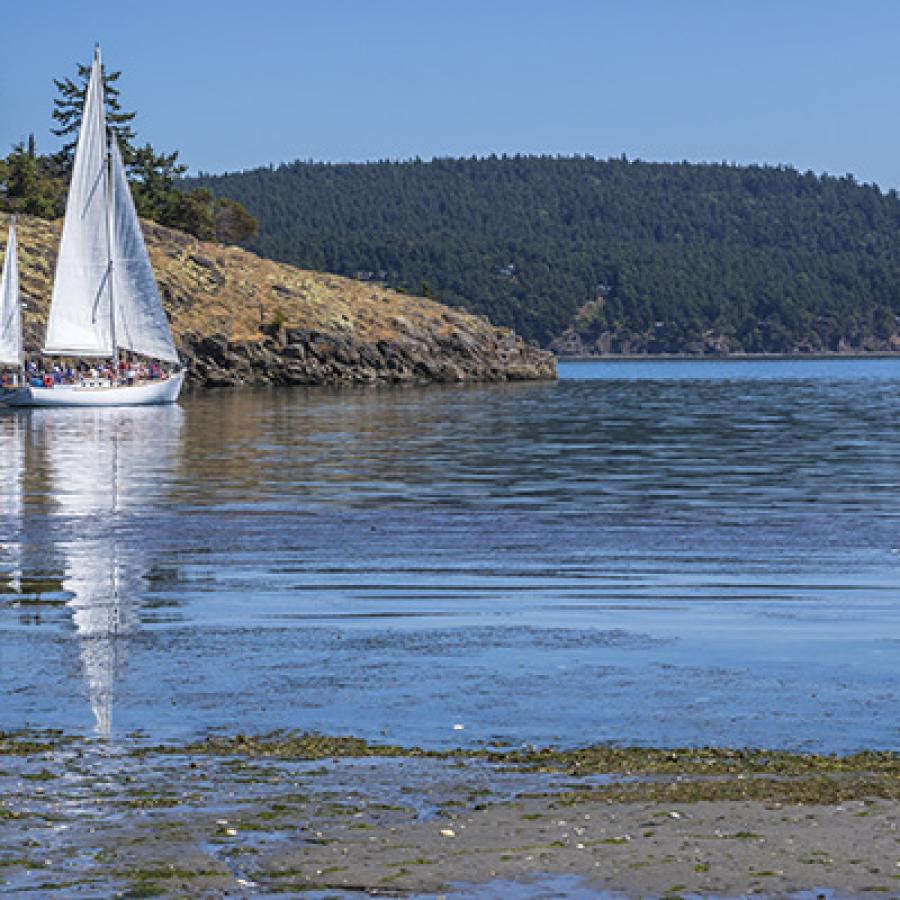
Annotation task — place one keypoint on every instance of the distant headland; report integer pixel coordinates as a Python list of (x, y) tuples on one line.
[(593, 256)]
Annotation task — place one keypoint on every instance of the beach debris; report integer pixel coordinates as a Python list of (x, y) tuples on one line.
[(458, 726), (448, 833), (674, 814)]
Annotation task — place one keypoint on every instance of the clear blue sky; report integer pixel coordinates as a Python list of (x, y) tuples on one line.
[(812, 83)]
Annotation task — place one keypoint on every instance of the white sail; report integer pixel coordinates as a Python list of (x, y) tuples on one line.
[(141, 324), (10, 312), (80, 320)]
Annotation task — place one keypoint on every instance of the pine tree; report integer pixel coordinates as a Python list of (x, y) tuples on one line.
[(67, 112), (28, 189), (152, 176)]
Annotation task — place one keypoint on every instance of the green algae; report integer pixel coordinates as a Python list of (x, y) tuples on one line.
[(147, 800), (818, 789), (292, 745), (679, 775), (597, 759), (606, 759), (42, 775), (28, 743)]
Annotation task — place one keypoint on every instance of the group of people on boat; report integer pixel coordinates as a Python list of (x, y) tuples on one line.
[(123, 373)]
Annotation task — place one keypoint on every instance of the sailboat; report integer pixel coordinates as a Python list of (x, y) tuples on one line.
[(105, 298), (11, 356)]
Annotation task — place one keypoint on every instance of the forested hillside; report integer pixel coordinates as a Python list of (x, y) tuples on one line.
[(611, 255)]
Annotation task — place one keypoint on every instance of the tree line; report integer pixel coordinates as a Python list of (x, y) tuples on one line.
[(654, 256), (36, 184)]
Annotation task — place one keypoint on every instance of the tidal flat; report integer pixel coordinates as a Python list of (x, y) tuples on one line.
[(307, 813)]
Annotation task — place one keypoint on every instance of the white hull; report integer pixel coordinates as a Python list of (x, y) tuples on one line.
[(146, 394)]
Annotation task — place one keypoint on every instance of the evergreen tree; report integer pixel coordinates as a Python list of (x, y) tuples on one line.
[(67, 108), (153, 176), (234, 225), (28, 186)]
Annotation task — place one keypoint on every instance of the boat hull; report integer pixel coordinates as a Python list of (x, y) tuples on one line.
[(148, 394)]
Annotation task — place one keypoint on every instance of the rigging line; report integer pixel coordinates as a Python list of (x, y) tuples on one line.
[(91, 193), (99, 297), (8, 322)]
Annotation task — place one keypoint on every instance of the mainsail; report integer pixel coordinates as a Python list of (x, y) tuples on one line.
[(141, 324), (80, 323), (10, 312)]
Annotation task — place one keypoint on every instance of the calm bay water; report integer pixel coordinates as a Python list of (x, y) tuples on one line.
[(659, 552)]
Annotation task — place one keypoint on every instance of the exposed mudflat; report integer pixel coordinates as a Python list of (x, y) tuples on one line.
[(300, 813)]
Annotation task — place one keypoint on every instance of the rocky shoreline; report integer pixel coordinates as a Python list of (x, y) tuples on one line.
[(302, 356), (573, 343)]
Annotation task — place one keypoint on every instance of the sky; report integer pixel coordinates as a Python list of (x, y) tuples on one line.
[(810, 83)]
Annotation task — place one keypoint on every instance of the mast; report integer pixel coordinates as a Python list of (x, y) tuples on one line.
[(109, 134), (109, 254), (19, 314)]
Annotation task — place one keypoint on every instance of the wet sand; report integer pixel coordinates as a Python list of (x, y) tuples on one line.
[(246, 817), (723, 848)]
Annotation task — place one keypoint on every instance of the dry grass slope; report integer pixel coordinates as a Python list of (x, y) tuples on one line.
[(272, 322)]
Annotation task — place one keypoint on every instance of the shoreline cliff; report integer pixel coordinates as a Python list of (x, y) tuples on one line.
[(239, 319)]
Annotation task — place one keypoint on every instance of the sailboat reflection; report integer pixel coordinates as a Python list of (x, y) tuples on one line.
[(108, 466), (12, 452)]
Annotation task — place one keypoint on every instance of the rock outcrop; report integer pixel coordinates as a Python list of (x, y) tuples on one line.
[(241, 319)]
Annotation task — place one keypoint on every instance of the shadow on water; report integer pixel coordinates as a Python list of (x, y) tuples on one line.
[(639, 559)]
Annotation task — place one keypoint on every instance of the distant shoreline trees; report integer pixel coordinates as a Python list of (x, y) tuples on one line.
[(611, 255)]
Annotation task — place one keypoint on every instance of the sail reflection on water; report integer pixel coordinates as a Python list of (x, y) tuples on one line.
[(12, 487), (107, 467)]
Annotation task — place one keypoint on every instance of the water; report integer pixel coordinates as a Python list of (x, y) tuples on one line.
[(661, 552)]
